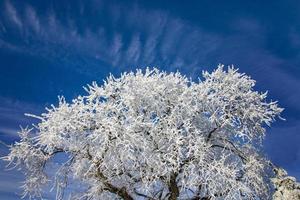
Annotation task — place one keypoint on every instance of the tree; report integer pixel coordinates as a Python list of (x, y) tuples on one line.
[(154, 135), (286, 186)]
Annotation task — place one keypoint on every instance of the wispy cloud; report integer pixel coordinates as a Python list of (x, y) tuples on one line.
[(10, 182), (32, 19), (144, 38), (12, 15), (134, 49), (168, 41), (12, 117)]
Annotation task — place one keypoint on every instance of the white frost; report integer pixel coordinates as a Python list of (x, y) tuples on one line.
[(155, 135)]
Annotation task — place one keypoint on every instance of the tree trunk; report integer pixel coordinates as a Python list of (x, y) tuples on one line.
[(173, 189)]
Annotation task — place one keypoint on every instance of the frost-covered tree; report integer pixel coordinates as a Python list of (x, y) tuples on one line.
[(286, 187), (154, 135)]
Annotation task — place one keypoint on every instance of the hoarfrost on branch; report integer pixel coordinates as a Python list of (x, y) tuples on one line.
[(154, 135)]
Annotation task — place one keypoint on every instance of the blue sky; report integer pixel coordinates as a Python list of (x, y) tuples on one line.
[(51, 48)]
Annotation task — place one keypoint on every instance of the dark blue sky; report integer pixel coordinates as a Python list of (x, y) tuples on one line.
[(51, 48)]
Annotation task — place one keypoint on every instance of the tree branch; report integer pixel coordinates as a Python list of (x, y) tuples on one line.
[(210, 134), (143, 195), (238, 152), (119, 191), (111, 188), (235, 149)]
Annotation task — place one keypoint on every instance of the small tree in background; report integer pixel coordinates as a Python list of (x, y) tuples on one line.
[(154, 135), (286, 186)]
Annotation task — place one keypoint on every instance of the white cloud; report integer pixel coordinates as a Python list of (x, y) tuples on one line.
[(116, 49), (149, 38), (12, 115), (8, 131), (32, 19), (12, 14), (133, 50), (155, 38)]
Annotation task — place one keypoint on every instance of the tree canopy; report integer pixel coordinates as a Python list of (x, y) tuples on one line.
[(154, 135)]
